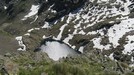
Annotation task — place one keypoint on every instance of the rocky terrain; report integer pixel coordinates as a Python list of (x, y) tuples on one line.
[(67, 37)]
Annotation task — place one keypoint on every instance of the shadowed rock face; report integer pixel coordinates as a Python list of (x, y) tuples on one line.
[(62, 7), (9, 9)]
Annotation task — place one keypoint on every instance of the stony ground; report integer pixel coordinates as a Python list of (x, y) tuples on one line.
[(102, 30)]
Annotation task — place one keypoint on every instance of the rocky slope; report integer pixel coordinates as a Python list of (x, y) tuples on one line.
[(101, 28)]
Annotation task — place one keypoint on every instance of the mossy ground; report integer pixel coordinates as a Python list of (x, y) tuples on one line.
[(29, 63)]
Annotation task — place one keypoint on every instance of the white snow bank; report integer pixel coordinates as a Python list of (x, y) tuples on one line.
[(97, 44), (70, 17), (32, 29), (21, 44), (111, 56), (130, 45), (27, 34), (5, 7), (46, 25), (66, 40), (117, 31), (81, 49), (56, 50), (100, 1), (61, 31), (33, 11), (114, 33)]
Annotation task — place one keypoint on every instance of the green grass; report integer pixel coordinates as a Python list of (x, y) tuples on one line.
[(80, 65), (70, 66)]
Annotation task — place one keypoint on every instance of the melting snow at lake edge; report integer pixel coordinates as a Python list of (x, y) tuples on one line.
[(56, 50)]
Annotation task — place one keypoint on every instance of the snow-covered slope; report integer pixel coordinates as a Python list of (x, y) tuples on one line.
[(108, 24)]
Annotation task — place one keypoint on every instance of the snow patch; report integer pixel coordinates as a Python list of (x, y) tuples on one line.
[(30, 30), (111, 56), (66, 40), (27, 34), (70, 17), (118, 30), (81, 49), (61, 31), (97, 44), (129, 46), (33, 11), (36, 17), (45, 37), (82, 32), (21, 44), (46, 25), (5, 7), (56, 50)]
